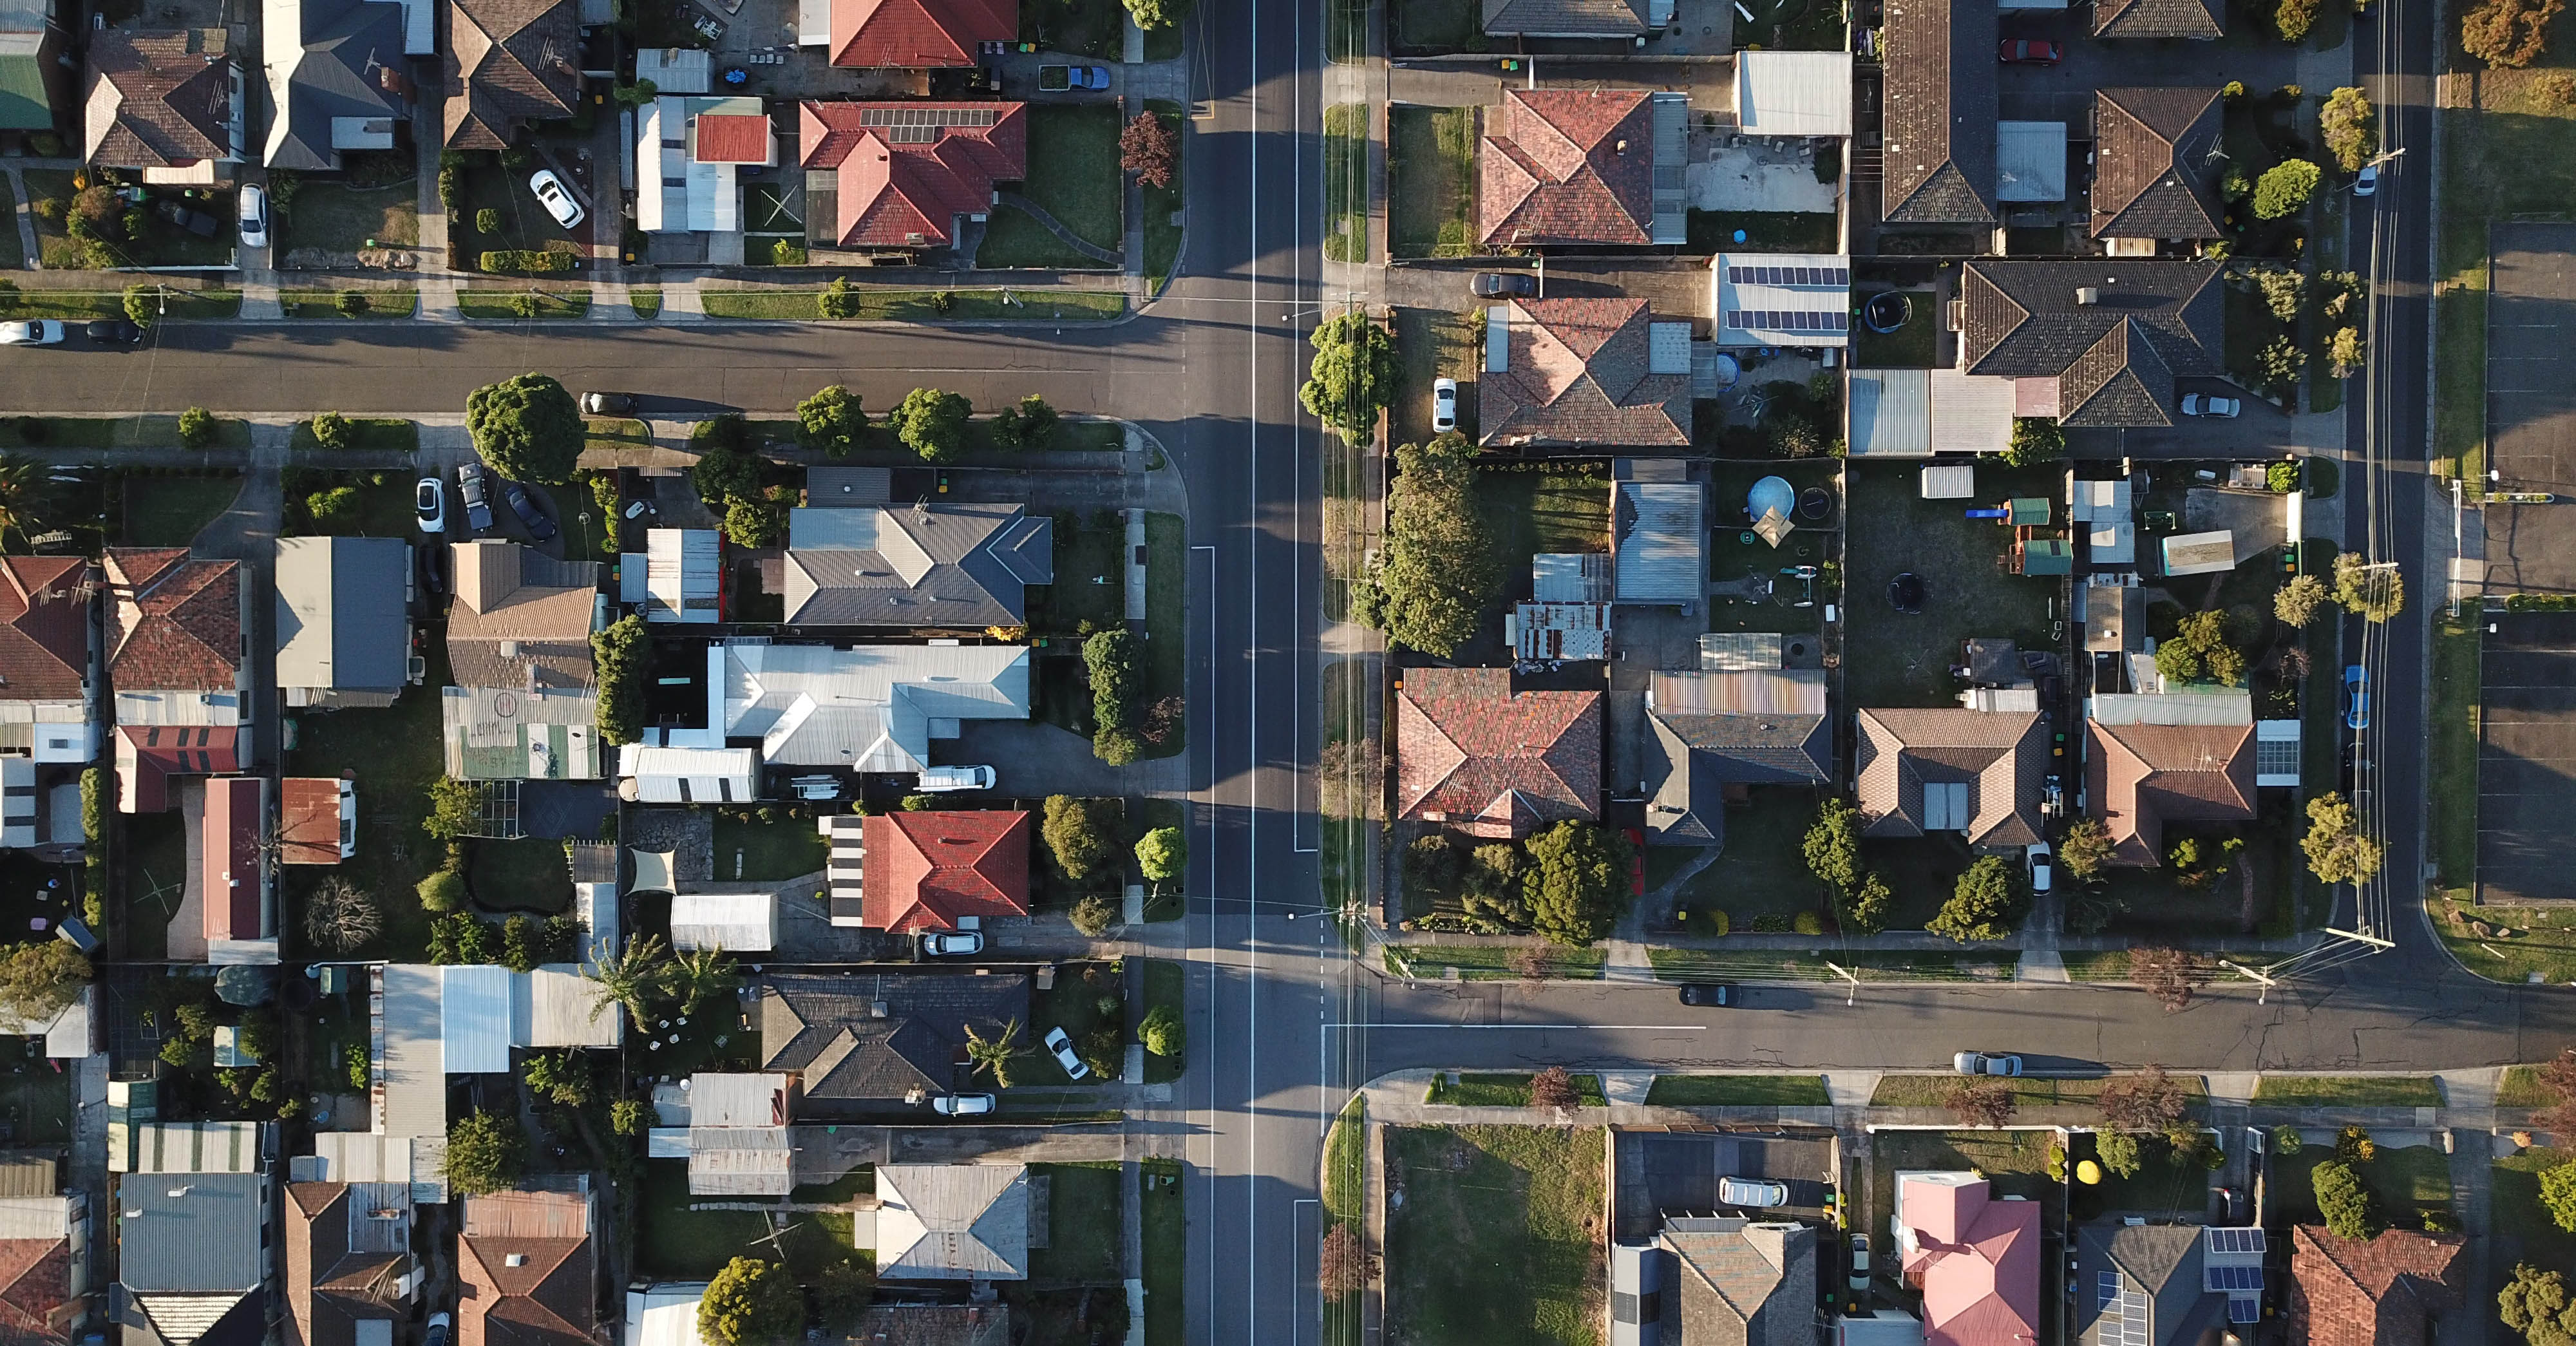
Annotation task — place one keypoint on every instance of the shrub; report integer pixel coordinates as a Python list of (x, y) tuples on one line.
[(2281, 363), (2285, 187), (2344, 352), (2558, 1195), (525, 260), (1078, 833), (487, 221), (2350, 128), (1553, 1089), (2535, 1304), (2349, 1209), (196, 427), (2118, 1151), (142, 304), (2283, 289), (1163, 1033), (621, 652), (1576, 875), (1093, 916), (1807, 923), (1981, 1102), (450, 189), (350, 303), (1864, 910), (1980, 907), (2234, 88), (2294, 18), (931, 423), (332, 505), (837, 299), (2508, 33), (485, 1152), (786, 252), (331, 430), (751, 1303), (2035, 439), (2282, 477), (1026, 426)]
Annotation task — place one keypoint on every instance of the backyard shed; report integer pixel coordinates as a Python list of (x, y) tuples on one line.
[(2030, 161), (1950, 481), (474, 1019), (739, 918), (1793, 93), (2200, 553)]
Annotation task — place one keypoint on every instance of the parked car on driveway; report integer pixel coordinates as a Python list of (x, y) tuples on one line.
[(552, 195), (2356, 698), (1860, 1262), (530, 513), (33, 332), (1503, 284), (469, 488), (2031, 51), (429, 500), (1062, 1046), (951, 943), (251, 214), (964, 1105), (1754, 1193), (1986, 1063), (1444, 406), (2200, 404), (944, 779), (1059, 78), (2043, 870)]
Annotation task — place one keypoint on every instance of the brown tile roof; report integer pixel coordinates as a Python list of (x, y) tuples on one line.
[(905, 192), (1568, 166), (871, 1040), (1940, 107), (2138, 777), (1564, 18), (36, 1304), (1999, 755), (525, 1268), (229, 875), (1577, 374), (2153, 166), (148, 755), (924, 870), (914, 34), (509, 63), (2159, 18), (732, 138), (155, 100), (330, 1287), (44, 626), (308, 820), (177, 623), (2114, 332), (1479, 756), (521, 619), (2382, 1292)]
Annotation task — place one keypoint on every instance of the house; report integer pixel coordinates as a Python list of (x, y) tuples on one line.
[(349, 1273), (162, 102), (235, 887), (317, 820), (1975, 1258), (700, 146), (33, 78), (2153, 166), (528, 1269), (45, 687), (1658, 537), (1940, 104), (928, 870), (1719, 1281), (509, 63), (1584, 372), (917, 34), (2096, 343), (523, 697), (2198, 20), (1559, 167), (1975, 772), (44, 1255), (343, 630), (1717, 733), (2140, 774), (191, 1258), (1474, 754), (175, 661), (337, 77), (1780, 299), (679, 577), (2389, 1291), (1576, 18), (952, 1222), (905, 175), (971, 1324), (859, 708), (958, 567), (2166, 1284), (1916, 413), (736, 1137), (881, 1040)]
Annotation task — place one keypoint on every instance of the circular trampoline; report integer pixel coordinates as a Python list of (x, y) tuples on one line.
[(1886, 311), (1813, 502), (1905, 592)]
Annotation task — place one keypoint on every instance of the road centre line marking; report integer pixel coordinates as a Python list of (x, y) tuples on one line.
[(1666, 1028)]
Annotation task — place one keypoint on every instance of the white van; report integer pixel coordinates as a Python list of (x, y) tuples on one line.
[(941, 779)]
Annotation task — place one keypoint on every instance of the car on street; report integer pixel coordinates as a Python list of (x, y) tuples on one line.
[(964, 1105), (469, 489), (2043, 872), (2031, 51), (429, 501), (557, 201), (2356, 698), (250, 214), (1444, 406), (1503, 284), (944, 779), (607, 404), (951, 943), (1754, 1193), (33, 332), (530, 513), (1717, 994), (113, 332), (1062, 1046), (1986, 1063), (2201, 404), (2368, 183), (1860, 1262)]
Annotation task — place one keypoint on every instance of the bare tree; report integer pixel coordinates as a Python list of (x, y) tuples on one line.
[(2146, 1101), (2166, 974), (1348, 776), (1529, 961), (1347, 1268), (340, 916), (1553, 1088), (1981, 1102)]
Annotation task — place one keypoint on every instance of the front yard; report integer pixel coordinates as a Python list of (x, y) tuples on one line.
[(2408, 1181), (331, 216), (2519, 1224), (171, 511), (1760, 878), (1073, 176), (1431, 181), (1498, 1237), (1085, 1210)]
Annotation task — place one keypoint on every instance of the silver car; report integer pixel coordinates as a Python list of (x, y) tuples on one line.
[(1062, 1046), (1986, 1063), (1752, 1193)]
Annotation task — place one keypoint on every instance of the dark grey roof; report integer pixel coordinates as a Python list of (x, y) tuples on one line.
[(2116, 332), (1741, 1283), (1940, 101), (935, 566), (2154, 166), (1698, 756), (2159, 18), (828, 1030), (340, 616), (2162, 1260), (847, 487), (350, 48), (1563, 18), (185, 1233)]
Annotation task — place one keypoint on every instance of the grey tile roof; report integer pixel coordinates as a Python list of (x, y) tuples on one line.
[(2160, 18), (350, 49), (826, 1029), (1564, 18), (2147, 322), (1940, 103), (932, 566), (1741, 1283), (1999, 755), (2153, 170)]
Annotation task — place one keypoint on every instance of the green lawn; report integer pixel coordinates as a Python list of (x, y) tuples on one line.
[(1760, 879), (2453, 755), (171, 511), (1929, 1091), (1346, 133), (2349, 1091), (1504, 1091), (1713, 231), (1087, 998), (528, 875), (2407, 1180), (1898, 659), (1431, 181), (12, 255), (2520, 1226), (1074, 176), (2542, 941), (551, 304), (1435, 343), (152, 865), (681, 1244), (1166, 986), (111, 432), (883, 305), (756, 852), (2521, 1087), (1498, 1240), (396, 753), (647, 302), (1738, 1091), (1782, 965), (1166, 621), (1165, 1219), (1532, 512), (37, 1104), (52, 187), (1346, 1161), (2160, 1190), (585, 532), (1419, 27), (1090, 561), (400, 301), (1494, 963), (86, 304), (1084, 1214), (341, 217), (367, 434), (1162, 205), (1908, 347)]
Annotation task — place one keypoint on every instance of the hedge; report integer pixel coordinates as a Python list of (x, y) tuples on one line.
[(520, 259)]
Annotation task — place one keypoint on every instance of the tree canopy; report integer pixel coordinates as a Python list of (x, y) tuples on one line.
[(1576, 873), (2371, 592), (1079, 833), (1833, 843), (2535, 1304), (2085, 848), (1148, 147), (751, 1302), (2035, 439), (526, 427), (1981, 906), (2296, 603), (1437, 570), (2199, 652), (831, 420), (2337, 851), (2349, 1208), (622, 653), (2558, 1195), (39, 978), (931, 423), (2285, 187), (2350, 127), (1028, 425), (1162, 854), (1353, 376), (2508, 34), (485, 1151)]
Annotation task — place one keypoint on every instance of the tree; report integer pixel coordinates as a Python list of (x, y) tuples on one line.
[(844, 1290), (831, 421), (2345, 351), (196, 428), (620, 652), (442, 891), (2294, 18), (2350, 128), (23, 487), (1353, 376), (1153, 14), (2285, 187), (636, 94), (2199, 652), (485, 1151), (1163, 854), (753, 523), (1833, 844), (2164, 974), (700, 976), (2147, 1101), (331, 430), (350, 303), (2372, 592), (996, 1055), (339, 916), (2295, 604), (1865, 911), (2558, 1195), (2284, 290), (2280, 363), (931, 423), (2349, 1208), (487, 221), (2085, 850), (526, 428), (1077, 834), (1163, 1033), (1346, 1267), (2337, 851), (1109, 657), (1148, 148), (837, 299), (1350, 775), (1092, 915), (1981, 1102), (2035, 439), (1028, 425), (563, 1077), (2508, 33), (1980, 907), (631, 977), (1437, 569), (1573, 880), (39, 978), (2535, 1304), (1553, 1089), (629, 1117), (455, 808), (751, 1302)]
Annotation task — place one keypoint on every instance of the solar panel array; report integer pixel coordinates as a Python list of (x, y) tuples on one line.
[(2106, 1284), (1780, 320), (2231, 1278), (2248, 1239), (922, 125), (1788, 275), (2244, 1310), (2124, 1311)]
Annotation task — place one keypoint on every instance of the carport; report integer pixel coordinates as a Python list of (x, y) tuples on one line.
[(1677, 1171), (2526, 751)]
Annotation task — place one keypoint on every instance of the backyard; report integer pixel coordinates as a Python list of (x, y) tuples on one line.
[(684, 1244), (1892, 658), (772, 844), (1910, 346), (395, 753), (1431, 181), (526, 875), (1740, 555), (1085, 1210), (1073, 176), (151, 866), (1497, 1241)]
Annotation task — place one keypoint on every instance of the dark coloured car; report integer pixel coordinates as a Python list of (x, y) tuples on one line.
[(1714, 994), (432, 558), (114, 332), (530, 513), (2031, 51), (478, 506), (1499, 284), (1905, 592)]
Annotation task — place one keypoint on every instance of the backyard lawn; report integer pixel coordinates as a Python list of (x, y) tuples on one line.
[(396, 752), (758, 852), (1073, 176), (1431, 181), (1737, 1091), (529, 874), (171, 511), (152, 864), (1910, 346), (1084, 1214), (1498, 1241), (1901, 659)]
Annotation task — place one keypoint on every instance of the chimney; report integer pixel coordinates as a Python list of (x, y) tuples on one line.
[(878, 1009), (2086, 296), (509, 649), (1622, 146)]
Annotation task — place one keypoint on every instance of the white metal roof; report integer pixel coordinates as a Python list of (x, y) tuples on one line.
[(1949, 481), (1659, 542), (1781, 299), (1971, 413), (1570, 577), (596, 905), (183, 1147), (865, 707), (2219, 707), (690, 775), (737, 1098), (1915, 413), (952, 1222), (675, 69), (2276, 752), (739, 922), (664, 1315), (474, 1019), (2030, 161), (411, 1087), (1793, 93), (556, 1006), (1668, 348), (683, 571)]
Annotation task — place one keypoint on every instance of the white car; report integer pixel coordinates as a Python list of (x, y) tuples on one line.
[(429, 501), (34, 332), (558, 202), (942, 779), (1062, 1046), (1752, 1193), (964, 1105), (1860, 1262), (2368, 183), (1986, 1063), (951, 943), (2043, 873), (1444, 406), (251, 214), (2196, 404)]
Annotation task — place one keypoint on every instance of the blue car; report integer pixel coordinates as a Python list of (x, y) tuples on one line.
[(2356, 698)]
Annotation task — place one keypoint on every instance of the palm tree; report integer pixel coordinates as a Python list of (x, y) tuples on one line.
[(995, 1053), (22, 491), (631, 978), (699, 976)]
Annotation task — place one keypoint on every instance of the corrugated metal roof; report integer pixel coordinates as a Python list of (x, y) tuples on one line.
[(737, 1098), (1570, 577), (560, 1005), (1890, 413), (200, 1235), (183, 1147), (1561, 630), (1772, 691), (1659, 542), (683, 573), (411, 1088), (2200, 553), (2030, 161), (1671, 112), (690, 775), (1971, 413), (37, 1217), (1949, 481), (664, 1315), (740, 921), (2194, 707), (952, 1222), (1793, 93), (1739, 651), (741, 1161), (474, 1019), (1668, 348)]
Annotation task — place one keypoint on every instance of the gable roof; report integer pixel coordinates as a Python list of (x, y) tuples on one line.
[(925, 869), (1475, 754), (2161, 1264), (509, 63), (2376, 1293), (340, 617), (194, 1235), (1999, 756), (2160, 18), (230, 878), (343, 60), (828, 1032), (2154, 164), (332, 1282), (866, 707), (1978, 1259), (918, 33), (1940, 109), (903, 172), (1578, 371), (148, 755), (44, 626), (925, 566), (953, 1222), (521, 620), (1567, 166), (36, 1305), (155, 100), (1742, 1283), (2138, 777), (1716, 729), (1564, 18), (548, 1298), (177, 620), (2113, 332)]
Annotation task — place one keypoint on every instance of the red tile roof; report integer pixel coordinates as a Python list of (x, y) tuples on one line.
[(44, 626), (228, 876), (2377, 1293), (1568, 166), (1576, 372), (548, 1298), (907, 193), (177, 624), (732, 138), (924, 870), (331, 1287), (148, 755), (1977, 1260), (308, 821), (1476, 755), (36, 1304), (2138, 777), (918, 33)]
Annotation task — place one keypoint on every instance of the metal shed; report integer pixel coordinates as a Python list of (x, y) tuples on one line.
[(474, 1019)]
